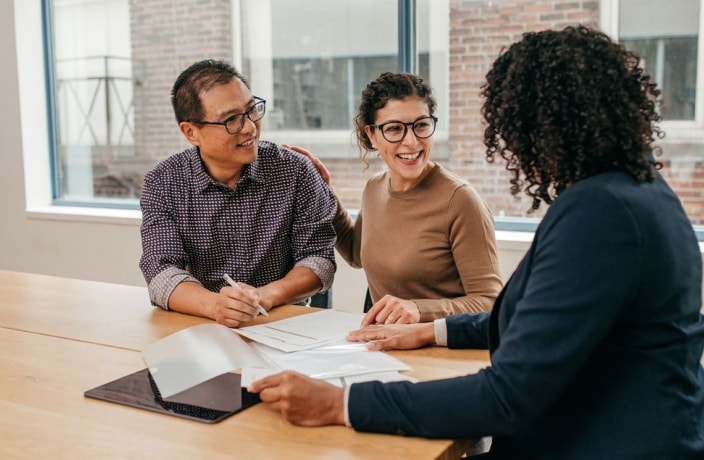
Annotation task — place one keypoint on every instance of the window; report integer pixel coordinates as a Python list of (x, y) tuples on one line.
[(114, 62), (667, 36)]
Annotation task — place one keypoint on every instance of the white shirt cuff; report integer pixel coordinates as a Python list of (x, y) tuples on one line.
[(347, 405), (440, 332)]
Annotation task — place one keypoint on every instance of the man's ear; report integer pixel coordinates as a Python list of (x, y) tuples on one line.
[(190, 131)]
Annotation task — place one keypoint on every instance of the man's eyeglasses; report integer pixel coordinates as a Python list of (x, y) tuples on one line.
[(395, 131), (235, 123)]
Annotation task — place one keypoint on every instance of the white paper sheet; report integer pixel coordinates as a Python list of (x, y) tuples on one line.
[(196, 354), (340, 359), (249, 375), (304, 331)]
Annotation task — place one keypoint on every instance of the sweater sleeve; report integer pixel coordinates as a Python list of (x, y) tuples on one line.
[(349, 234), (473, 244)]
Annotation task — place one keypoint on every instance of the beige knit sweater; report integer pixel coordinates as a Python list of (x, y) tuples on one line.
[(434, 244)]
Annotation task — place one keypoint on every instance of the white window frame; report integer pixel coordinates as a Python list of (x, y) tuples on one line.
[(36, 142), (676, 130)]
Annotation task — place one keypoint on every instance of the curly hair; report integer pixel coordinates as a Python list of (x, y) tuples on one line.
[(561, 106), (387, 86)]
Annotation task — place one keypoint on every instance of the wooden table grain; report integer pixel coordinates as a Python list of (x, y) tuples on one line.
[(60, 337)]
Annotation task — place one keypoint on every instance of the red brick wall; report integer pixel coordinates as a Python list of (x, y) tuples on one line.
[(167, 37), (478, 32)]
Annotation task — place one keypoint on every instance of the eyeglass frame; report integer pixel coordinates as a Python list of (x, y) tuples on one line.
[(412, 124), (247, 113)]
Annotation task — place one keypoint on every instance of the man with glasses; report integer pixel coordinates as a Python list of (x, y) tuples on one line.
[(232, 205)]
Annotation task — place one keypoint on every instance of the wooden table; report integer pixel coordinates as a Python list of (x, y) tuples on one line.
[(60, 337)]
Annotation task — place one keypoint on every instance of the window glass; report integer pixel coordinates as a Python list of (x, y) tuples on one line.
[(665, 34), (114, 62), (93, 95)]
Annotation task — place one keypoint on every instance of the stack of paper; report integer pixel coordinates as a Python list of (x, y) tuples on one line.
[(312, 344), (304, 331)]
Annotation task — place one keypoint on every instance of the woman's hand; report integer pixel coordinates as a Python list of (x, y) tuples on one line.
[(302, 400), (322, 170), (392, 310), (395, 336)]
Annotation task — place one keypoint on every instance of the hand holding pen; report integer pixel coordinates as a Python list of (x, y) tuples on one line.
[(234, 284)]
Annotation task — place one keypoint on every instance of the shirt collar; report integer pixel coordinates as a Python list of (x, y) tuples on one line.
[(203, 180)]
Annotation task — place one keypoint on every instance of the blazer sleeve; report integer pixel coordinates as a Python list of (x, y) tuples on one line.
[(470, 330)]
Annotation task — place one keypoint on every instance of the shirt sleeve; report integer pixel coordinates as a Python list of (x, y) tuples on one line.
[(164, 260), (440, 332), (349, 235), (313, 235)]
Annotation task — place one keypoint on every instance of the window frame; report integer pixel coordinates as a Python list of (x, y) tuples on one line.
[(677, 130)]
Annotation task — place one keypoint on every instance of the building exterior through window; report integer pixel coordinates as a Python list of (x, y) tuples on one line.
[(114, 62)]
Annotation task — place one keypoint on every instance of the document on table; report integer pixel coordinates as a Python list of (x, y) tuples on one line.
[(304, 331), (338, 360), (197, 354)]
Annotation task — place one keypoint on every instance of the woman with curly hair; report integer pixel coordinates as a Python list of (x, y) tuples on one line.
[(596, 339), (453, 265)]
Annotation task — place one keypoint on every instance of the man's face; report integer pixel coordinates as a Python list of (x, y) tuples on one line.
[(218, 148)]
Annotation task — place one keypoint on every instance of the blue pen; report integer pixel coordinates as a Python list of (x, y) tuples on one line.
[(234, 284)]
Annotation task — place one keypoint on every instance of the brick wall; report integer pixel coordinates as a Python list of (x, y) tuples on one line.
[(168, 36), (478, 32)]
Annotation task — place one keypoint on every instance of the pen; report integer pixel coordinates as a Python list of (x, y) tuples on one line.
[(234, 284)]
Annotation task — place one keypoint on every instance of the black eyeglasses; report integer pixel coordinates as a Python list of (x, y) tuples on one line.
[(395, 131), (235, 123)]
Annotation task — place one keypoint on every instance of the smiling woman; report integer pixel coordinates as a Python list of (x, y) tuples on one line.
[(415, 203)]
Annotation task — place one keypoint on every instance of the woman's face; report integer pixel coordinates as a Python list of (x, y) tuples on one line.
[(408, 159)]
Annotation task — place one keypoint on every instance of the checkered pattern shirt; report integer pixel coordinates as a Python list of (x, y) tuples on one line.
[(279, 216)]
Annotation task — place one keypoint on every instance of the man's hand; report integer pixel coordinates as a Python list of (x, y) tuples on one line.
[(236, 306), (302, 400), (230, 307), (392, 310), (395, 336)]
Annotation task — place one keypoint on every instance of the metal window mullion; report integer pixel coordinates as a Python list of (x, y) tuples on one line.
[(407, 54), (698, 97), (48, 38)]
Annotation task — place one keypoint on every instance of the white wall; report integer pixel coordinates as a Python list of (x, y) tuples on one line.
[(75, 243), (102, 248)]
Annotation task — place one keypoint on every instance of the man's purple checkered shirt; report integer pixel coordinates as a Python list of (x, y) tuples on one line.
[(279, 216)]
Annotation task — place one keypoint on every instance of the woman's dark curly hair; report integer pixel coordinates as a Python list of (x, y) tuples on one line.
[(561, 106), (387, 86)]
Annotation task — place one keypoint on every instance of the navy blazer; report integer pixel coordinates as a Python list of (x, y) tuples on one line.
[(595, 341)]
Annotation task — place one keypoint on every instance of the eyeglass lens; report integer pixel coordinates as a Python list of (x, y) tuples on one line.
[(396, 131), (254, 113)]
